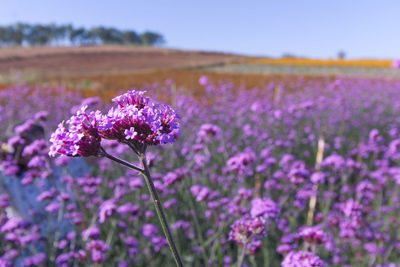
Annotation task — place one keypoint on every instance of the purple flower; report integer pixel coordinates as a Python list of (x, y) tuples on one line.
[(396, 64), (34, 147), (203, 80), (11, 224), (14, 141), (351, 208), (62, 244), (372, 248), (298, 175), (37, 162), (180, 224), (284, 248), (98, 248), (149, 230), (23, 128), (128, 208), (317, 177), (63, 259), (53, 207), (240, 162), (208, 131), (130, 133), (123, 264), (80, 139), (139, 121), (4, 200), (313, 235), (264, 207), (335, 161), (248, 232), (131, 241), (170, 203), (106, 210), (302, 259), (35, 260), (200, 192), (91, 232), (81, 255), (173, 177), (41, 115)]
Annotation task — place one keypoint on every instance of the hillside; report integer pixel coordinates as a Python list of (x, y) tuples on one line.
[(73, 61)]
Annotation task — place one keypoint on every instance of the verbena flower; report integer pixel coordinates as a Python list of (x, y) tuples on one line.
[(264, 207), (241, 162), (138, 120), (92, 232), (98, 248), (248, 232), (81, 138), (313, 235), (106, 209), (302, 259)]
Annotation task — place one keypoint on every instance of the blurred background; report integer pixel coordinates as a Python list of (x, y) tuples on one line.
[(99, 45)]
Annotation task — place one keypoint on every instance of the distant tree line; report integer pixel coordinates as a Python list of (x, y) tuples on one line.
[(23, 34)]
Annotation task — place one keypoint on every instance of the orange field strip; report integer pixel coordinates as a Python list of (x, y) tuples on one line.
[(323, 62)]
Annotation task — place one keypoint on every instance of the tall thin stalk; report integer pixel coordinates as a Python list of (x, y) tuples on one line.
[(241, 256), (156, 200), (313, 200), (160, 211)]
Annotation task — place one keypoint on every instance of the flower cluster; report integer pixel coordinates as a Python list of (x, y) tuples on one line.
[(313, 235), (248, 232), (136, 120), (81, 138), (264, 208)]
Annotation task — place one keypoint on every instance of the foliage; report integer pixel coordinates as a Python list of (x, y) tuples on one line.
[(51, 34)]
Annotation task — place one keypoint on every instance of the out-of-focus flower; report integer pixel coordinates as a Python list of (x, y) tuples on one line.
[(53, 207), (264, 207), (149, 230), (313, 235), (106, 210), (203, 80), (98, 248), (248, 232), (396, 64), (302, 259), (208, 131), (241, 162), (91, 232)]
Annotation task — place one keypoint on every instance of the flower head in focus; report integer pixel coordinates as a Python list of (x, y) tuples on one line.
[(81, 138), (138, 120)]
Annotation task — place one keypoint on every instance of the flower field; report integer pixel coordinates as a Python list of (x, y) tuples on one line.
[(297, 172), (368, 63)]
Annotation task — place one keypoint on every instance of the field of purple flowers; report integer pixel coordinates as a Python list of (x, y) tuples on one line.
[(275, 176)]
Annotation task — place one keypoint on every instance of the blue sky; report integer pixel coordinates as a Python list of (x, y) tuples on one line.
[(313, 28)]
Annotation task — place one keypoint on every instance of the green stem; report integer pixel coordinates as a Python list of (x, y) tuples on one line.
[(160, 211), (122, 162), (241, 256), (199, 232)]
